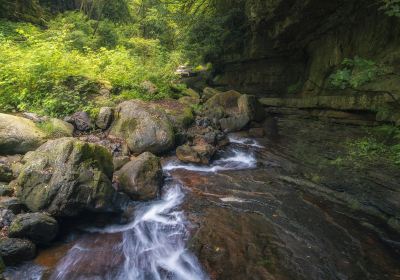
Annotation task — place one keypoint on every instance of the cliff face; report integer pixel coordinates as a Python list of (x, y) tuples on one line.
[(300, 42)]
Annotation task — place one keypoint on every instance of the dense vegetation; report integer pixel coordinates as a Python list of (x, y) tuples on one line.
[(54, 63)]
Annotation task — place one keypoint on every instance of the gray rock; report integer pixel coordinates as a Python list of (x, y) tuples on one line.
[(145, 129), (40, 228), (19, 135), (65, 177), (80, 120), (105, 117), (141, 178), (15, 251)]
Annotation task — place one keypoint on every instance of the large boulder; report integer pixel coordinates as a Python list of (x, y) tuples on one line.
[(19, 135), (144, 128), (38, 227), (227, 100), (65, 177), (15, 250), (105, 118), (141, 178)]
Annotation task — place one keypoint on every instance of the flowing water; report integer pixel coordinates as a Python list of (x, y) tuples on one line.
[(153, 244)]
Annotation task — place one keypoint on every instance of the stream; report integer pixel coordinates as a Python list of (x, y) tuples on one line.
[(245, 216), (152, 245)]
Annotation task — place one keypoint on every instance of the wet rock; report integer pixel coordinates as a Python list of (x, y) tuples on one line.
[(119, 162), (18, 135), (6, 174), (80, 120), (235, 123), (13, 204), (6, 217), (250, 106), (38, 227), (257, 132), (200, 154), (6, 190), (65, 177), (14, 250), (105, 117), (141, 178), (143, 128)]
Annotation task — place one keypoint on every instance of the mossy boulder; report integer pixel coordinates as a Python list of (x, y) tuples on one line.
[(40, 228), (14, 250), (56, 128), (141, 178), (227, 100), (143, 127), (65, 177), (19, 135)]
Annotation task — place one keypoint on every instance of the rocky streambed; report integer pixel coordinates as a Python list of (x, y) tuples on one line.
[(270, 202)]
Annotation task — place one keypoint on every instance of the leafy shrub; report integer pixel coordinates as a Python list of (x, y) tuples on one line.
[(391, 7), (383, 141), (356, 72), (39, 68)]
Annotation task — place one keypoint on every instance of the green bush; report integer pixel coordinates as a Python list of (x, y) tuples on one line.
[(356, 72), (50, 71)]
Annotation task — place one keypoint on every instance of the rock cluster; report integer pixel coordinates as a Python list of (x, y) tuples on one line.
[(49, 175)]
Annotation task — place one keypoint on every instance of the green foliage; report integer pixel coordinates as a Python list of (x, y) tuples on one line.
[(381, 142), (356, 72), (58, 70), (391, 7)]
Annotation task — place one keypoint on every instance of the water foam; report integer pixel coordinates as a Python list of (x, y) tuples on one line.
[(237, 161), (153, 243)]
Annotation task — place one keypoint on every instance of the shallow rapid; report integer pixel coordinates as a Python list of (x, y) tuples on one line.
[(152, 245)]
